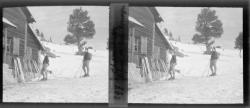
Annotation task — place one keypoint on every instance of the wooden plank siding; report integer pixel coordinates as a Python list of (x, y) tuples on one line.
[(34, 44), (145, 16), (16, 17), (159, 43), (19, 18)]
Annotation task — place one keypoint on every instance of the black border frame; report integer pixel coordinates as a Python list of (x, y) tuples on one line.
[(171, 3)]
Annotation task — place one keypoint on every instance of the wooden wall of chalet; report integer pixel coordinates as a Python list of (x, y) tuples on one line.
[(159, 43), (145, 17), (16, 16), (34, 44), (136, 32)]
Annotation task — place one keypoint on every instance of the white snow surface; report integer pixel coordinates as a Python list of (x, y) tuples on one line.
[(64, 84), (192, 85)]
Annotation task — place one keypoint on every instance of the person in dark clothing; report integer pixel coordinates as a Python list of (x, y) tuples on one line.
[(213, 61), (44, 68), (173, 63), (86, 59)]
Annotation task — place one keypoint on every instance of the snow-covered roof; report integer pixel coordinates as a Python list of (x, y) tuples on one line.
[(5, 20), (33, 30), (134, 21), (161, 28), (166, 39)]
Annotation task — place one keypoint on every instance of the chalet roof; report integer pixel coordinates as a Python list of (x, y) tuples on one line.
[(34, 34), (28, 14), (165, 40), (135, 21), (156, 14), (6, 21)]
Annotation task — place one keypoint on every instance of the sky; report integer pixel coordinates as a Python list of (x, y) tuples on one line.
[(52, 21), (181, 22)]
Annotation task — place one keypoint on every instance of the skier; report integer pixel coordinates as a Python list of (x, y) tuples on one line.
[(173, 63), (213, 61), (86, 59), (44, 68)]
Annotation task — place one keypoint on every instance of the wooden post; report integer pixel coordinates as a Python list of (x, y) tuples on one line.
[(5, 44), (153, 39), (25, 40), (133, 45)]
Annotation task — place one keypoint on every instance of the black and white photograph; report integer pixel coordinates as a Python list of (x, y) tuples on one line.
[(55, 54), (185, 55)]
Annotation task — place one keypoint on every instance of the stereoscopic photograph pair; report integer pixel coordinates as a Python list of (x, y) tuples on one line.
[(175, 55)]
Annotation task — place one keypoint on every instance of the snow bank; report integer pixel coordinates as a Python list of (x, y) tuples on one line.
[(69, 65), (192, 86), (197, 63)]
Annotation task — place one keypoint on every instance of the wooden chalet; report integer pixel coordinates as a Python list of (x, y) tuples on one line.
[(21, 48), (148, 47)]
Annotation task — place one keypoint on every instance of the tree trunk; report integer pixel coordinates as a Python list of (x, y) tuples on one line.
[(79, 47), (208, 46)]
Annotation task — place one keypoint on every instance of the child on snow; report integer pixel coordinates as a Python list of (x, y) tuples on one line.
[(173, 63), (86, 59), (44, 68), (213, 61)]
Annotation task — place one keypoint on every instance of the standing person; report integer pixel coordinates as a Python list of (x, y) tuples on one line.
[(44, 68), (173, 63), (86, 59), (213, 61)]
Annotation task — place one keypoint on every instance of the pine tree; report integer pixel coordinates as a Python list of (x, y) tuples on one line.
[(81, 26), (208, 26)]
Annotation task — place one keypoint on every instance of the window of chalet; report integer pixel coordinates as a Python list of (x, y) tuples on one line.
[(34, 54), (9, 53), (3, 48), (144, 45), (130, 39), (137, 51), (16, 44), (9, 45), (131, 44), (29, 53), (137, 45), (156, 52)]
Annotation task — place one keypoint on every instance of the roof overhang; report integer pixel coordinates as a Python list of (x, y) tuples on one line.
[(131, 19), (8, 23), (165, 39), (156, 14), (36, 37), (28, 14)]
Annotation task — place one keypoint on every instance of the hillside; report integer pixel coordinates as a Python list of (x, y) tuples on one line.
[(192, 85), (64, 84)]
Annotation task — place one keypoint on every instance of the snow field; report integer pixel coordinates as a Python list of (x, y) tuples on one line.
[(64, 85), (192, 86)]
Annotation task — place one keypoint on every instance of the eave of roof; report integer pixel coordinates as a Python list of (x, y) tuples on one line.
[(6, 21), (156, 14), (131, 19), (28, 14), (33, 34), (163, 37)]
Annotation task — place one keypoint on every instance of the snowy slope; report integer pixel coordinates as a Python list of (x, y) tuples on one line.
[(229, 60), (64, 85), (70, 65), (192, 86)]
